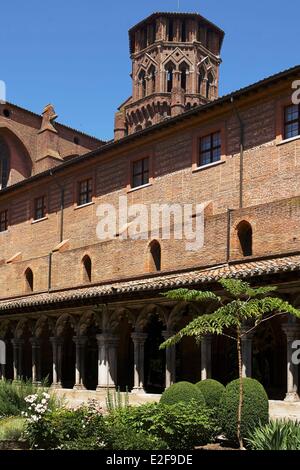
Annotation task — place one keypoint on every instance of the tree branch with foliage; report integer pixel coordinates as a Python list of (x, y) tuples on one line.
[(240, 306)]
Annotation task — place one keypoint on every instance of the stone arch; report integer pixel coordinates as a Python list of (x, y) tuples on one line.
[(145, 314), (178, 312), (170, 67), (152, 78), (142, 83), (202, 74), (43, 322), (62, 321), (210, 84), (184, 69)]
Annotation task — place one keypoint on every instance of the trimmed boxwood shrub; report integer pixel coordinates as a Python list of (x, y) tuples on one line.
[(179, 426), (255, 409), (182, 392), (212, 391)]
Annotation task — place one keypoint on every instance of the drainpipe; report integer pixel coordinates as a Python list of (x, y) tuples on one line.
[(242, 139), (49, 271), (61, 231), (229, 211)]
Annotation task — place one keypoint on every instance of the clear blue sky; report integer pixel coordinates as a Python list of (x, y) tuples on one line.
[(74, 53)]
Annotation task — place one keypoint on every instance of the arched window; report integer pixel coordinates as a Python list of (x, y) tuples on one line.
[(87, 269), (142, 79), (209, 84), (244, 232), (183, 77), (152, 76), (201, 78), (154, 256), (28, 280), (4, 163), (170, 74)]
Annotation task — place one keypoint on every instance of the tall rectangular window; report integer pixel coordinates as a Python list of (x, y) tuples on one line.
[(291, 121), (140, 172), (85, 192), (39, 208), (210, 149), (3, 221)]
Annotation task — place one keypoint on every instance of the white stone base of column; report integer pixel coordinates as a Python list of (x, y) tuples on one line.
[(79, 387), (101, 388), (37, 383), (138, 390), (292, 396), (55, 386)]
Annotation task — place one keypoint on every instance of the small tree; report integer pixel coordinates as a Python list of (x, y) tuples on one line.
[(242, 304)]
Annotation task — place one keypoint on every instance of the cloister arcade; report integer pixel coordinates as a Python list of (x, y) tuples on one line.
[(117, 346)]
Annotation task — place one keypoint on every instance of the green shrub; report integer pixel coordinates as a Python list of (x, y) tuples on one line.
[(255, 408), (55, 429), (212, 391), (276, 435), (180, 426), (11, 429), (12, 396), (123, 438), (182, 392)]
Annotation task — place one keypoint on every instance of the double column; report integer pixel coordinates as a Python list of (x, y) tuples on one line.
[(139, 339), (247, 340), (170, 360), (36, 360), (57, 343), (107, 360), (80, 360), (292, 332), (17, 357), (206, 357)]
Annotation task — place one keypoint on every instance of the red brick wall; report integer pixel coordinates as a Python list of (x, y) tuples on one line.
[(271, 205)]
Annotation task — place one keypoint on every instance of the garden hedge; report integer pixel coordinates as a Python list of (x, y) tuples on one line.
[(182, 392), (212, 391), (255, 409)]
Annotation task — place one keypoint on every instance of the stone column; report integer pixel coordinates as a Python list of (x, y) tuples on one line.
[(139, 339), (36, 360), (206, 357), (17, 357), (170, 360), (3, 359), (247, 353), (107, 360), (292, 332), (57, 343), (79, 366)]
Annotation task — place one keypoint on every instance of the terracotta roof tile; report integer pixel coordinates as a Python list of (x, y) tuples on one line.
[(165, 281)]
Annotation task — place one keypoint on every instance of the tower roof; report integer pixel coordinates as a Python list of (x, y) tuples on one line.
[(156, 15)]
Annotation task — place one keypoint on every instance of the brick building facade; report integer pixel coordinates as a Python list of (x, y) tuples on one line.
[(88, 313)]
